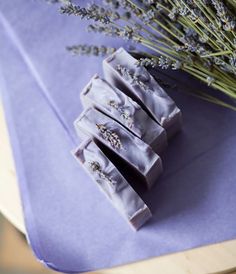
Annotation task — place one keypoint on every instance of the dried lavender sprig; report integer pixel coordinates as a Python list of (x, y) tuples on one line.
[(147, 62), (201, 16), (216, 25), (133, 77), (123, 113), (88, 13), (110, 136), (127, 17), (224, 15), (162, 61), (205, 76), (194, 25), (126, 32), (96, 167), (107, 13), (90, 50)]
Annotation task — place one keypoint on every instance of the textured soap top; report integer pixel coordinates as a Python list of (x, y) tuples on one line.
[(118, 105), (112, 183), (122, 65)]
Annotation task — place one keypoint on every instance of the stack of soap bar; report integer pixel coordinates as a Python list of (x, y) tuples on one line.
[(121, 142), (126, 122), (113, 184), (113, 102), (122, 71)]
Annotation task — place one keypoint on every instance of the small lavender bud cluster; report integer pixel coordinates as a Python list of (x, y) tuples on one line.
[(91, 50), (225, 66), (163, 62), (224, 15), (89, 13), (109, 30), (110, 136), (148, 16), (127, 5), (126, 33), (96, 167), (106, 13), (210, 80), (166, 63), (147, 62), (132, 77), (123, 113), (232, 61)]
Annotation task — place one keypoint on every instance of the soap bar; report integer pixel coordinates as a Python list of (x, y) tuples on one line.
[(120, 69), (110, 181), (122, 143), (113, 102)]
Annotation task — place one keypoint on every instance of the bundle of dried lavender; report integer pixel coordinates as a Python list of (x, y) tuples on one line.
[(198, 37)]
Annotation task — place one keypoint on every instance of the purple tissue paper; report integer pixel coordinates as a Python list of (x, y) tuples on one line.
[(70, 226)]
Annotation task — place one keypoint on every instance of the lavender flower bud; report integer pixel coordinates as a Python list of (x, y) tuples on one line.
[(91, 12), (91, 50), (210, 80), (147, 62), (164, 62)]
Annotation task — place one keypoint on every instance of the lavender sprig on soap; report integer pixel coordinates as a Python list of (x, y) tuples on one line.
[(110, 136)]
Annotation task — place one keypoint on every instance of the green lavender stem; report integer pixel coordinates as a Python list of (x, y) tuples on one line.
[(209, 54)]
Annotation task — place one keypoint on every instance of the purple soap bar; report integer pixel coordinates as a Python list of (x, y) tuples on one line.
[(120, 69), (110, 100), (122, 143), (112, 184)]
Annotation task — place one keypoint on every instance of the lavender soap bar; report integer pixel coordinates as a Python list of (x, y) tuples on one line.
[(121, 70), (110, 100), (113, 184), (134, 152)]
